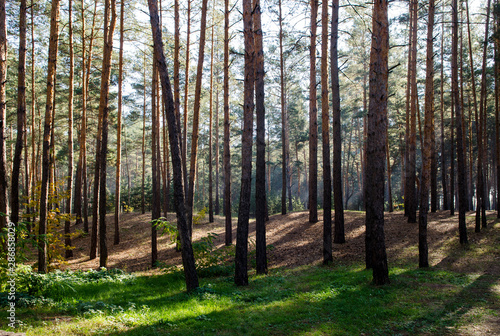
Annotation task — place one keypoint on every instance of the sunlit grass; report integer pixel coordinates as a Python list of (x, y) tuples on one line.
[(309, 300)]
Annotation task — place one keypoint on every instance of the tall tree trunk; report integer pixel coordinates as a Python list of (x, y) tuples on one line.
[(69, 200), (241, 269), (376, 138), (51, 72), (260, 165), (173, 133), (339, 236), (34, 169), (285, 160), (210, 132), (313, 120), (116, 240), (155, 157), (227, 154), (81, 172), (443, 151), (109, 27), (186, 91), (143, 175), (411, 177), (21, 116), (217, 205), (177, 101), (4, 205), (462, 180), (196, 117), (481, 190), (452, 158), (407, 110), (423, 253), (325, 125), (497, 106)]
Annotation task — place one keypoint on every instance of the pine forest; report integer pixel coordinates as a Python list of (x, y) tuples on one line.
[(250, 167)]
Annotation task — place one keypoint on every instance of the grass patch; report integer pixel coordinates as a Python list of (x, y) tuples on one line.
[(308, 300)]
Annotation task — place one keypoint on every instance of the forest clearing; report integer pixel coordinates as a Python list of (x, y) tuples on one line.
[(458, 295)]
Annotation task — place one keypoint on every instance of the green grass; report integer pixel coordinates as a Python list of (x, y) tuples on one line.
[(333, 300)]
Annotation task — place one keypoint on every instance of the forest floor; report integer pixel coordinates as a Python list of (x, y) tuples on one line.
[(460, 295), (295, 242)]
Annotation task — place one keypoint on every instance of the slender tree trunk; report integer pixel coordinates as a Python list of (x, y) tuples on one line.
[(389, 184), (21, 116), (427, 149), (177, 102), (325, 125), (34, 169), (217, 205), (109, 27), (411, 177), (462, 180), (227, 154), (241, 269), (143, 176), (4, 205), (155, 157), (51, 71), (196, 117), (260, 165), (186, 91), (313, 121), (376, 138), (443, 151), (69, 200), (339, 236), (497, 106), (407, 110), (285, 161), (168, 100), (116, 240), (481, 190), (210, 128)]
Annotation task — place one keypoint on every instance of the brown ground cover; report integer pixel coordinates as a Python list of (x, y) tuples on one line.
[(295, 241)]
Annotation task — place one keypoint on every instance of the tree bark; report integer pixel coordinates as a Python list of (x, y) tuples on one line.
[(285, 142), (497, 106), (241, 268), (423, 252), (116, 240), (155, 158), (196, 117), (21, 116), (109, 27), (49, 105), (210, 132), (186, 91), (187, 250), (376, 138), (69, 200), (227, 153), (443, 151), (260, 165), (4, 205), (481, 190), (411, 177), (339, 236), (313, 120), (325, 125), (462, 180)]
